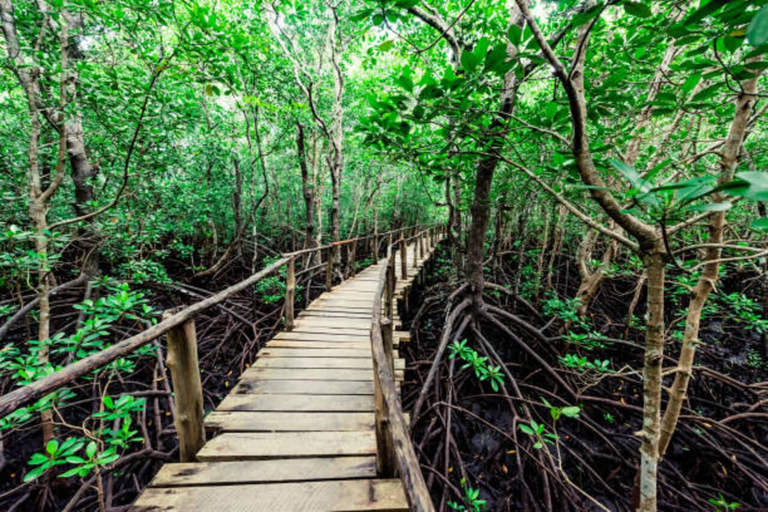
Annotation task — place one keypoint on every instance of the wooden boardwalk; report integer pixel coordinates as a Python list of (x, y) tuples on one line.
[(297, 431)]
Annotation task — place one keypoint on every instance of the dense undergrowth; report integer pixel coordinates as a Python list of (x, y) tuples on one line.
[(530, 444)]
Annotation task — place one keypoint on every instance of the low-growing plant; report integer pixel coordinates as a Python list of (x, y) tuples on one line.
[(471, 498), (722, 504), (582, 364), (479, 364)]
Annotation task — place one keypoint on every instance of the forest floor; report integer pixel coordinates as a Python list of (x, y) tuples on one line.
[(472, 439)]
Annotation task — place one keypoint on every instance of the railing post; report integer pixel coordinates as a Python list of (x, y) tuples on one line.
[(403, 259), (351, 254), (422, 244), (375, 247), (389, 290), (187, 388), (290, 293), (385, 457), (416, 251), (329, 269)]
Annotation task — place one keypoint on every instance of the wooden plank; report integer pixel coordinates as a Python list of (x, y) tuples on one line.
[(313, 363), (303, 402), (320, 345), (336, 337), (274, 445), (249, 421), (261, 471), (335, 495), (325, 329), (334, 323), (319, 363), (306, 387), (324, 313), (304, 374), (337, 353)]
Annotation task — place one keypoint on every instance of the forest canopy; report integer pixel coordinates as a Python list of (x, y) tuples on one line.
[(592, 332)]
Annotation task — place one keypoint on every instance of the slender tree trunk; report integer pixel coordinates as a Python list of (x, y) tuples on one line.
[(237, 201), (481, 203), (710, 274), (309, 200), (652, 382)]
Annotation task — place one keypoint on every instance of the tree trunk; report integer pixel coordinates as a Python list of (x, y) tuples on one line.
[(710, 274), (309, 200), (481, 203), (652, 381)]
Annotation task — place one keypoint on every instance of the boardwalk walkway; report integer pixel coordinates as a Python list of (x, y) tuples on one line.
[(297, 431)]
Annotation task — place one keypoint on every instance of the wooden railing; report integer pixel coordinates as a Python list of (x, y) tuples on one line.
[(395, 451), (394, 448), (182, 346)]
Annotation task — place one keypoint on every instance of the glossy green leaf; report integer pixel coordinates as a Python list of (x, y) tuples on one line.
[(757, 32)]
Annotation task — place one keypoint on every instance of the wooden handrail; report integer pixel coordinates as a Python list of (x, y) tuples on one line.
[(392, 434), (23, 396), (38, 389), (344, 242)]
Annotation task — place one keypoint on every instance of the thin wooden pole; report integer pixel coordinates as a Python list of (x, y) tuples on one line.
[(386, 457), (329, 269), (422, 245), (290, 293), (416, 252), (352, 257), (403, 259), (375, 248), (187, 389)]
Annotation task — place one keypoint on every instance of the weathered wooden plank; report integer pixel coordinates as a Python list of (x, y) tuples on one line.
[(306, 374), (318, 363), (335, 323), (320, 345), (273, 445), (313, 363), (347, 495), (337, 337), (249, 421), (303, 402), (323, 313), (326, 329), (337, 353), (262, 471), (307, 387)]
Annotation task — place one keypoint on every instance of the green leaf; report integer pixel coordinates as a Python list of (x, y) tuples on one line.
[(732, 43), (637, 9), (494, 60), (526, 429), (515, 34), (37, 459), (706, 94), (752, 185), (761, 224), (691, 82), (468, 61), (387, 45), (52, 446), (90, 450), (571, 411), (35, 473), (757, 31), (706, 8)]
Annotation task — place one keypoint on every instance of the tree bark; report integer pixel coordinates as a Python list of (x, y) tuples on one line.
[(307, 192), (706, 283)]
